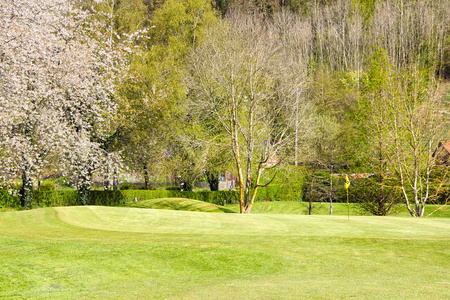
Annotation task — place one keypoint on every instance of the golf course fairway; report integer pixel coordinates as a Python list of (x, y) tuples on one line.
[(94, 252)]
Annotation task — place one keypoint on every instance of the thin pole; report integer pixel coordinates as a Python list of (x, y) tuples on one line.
[(348, 207), (347, 185), (296, 129)]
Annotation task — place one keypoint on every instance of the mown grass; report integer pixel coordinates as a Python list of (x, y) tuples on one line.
[(133, 253), (180, 204), (279, 207), (339, 209)]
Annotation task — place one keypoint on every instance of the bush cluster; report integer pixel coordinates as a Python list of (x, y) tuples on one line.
[(7, 200), (375, 197)]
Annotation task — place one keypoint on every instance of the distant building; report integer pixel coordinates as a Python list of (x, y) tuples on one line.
[(227, 181), (353, 176), (442, 154)]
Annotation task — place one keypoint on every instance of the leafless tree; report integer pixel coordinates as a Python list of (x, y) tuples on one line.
[(415, 125), (246, 79)]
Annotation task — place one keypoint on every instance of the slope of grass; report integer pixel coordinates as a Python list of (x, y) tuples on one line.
[(132, 253), (180, 204)]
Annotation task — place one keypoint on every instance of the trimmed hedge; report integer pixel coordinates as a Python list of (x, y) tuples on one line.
[(114, 198), (55, 198), (71, 198), (118, 198), (214, 197), (64, 198), (140, 195), (107, 198)]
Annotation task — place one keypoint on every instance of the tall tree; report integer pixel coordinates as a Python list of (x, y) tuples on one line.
[(153, 120), (54, 85), (416, 126), (238, 80), (373, 110)]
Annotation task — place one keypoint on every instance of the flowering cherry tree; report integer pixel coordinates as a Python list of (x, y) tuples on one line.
[(56, 86)]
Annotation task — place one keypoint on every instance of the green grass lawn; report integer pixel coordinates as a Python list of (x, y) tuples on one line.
[(277, 207), (339, 209), (133, 253)]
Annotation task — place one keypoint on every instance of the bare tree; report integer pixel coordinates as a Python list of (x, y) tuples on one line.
[(416, 125), (239, 79), (411, 29)]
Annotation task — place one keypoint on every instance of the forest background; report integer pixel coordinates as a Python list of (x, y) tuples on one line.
[(281, 93)]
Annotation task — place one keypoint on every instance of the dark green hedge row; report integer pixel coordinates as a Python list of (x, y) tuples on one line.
[(71, 198), (64, 198), (117, 198), (139, 195), (216, 197), (113, 198), (55, 198)]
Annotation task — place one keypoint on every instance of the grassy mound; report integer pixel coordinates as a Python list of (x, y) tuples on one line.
[(95, 252), (127, 219), (180, 204)]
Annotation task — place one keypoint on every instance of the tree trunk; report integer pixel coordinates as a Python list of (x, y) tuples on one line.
[(331, 207), (84, 187), (26, 192), (331, 192), (146, 177), (187, 185), (237, 157), (106, 185), (311, 193), (84, 191), (213, 180), (115, 179)]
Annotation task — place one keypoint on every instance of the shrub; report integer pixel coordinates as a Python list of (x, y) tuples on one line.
[(325, 187), (287, 186), (7, 200), (442, 197), (173, 188), (126, 186), (47, 185), (377, 199)]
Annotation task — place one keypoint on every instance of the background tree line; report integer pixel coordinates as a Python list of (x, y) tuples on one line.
[(195, 87)]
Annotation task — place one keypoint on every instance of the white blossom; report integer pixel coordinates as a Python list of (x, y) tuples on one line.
[(57, 76)]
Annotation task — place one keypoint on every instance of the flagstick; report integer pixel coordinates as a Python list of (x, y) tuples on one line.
[(348, 207), (347, 185)]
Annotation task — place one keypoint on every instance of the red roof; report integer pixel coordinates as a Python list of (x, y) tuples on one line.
[(354, 176), (446, 146)]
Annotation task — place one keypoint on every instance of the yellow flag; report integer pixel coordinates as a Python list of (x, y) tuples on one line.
[(347, 182)]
